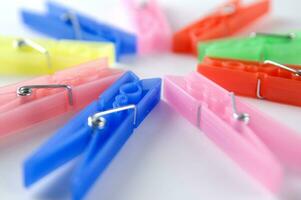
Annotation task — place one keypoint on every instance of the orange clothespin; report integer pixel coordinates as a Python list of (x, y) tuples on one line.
[(225, 21), (268, 80)]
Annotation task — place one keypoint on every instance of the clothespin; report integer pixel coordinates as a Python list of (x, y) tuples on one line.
[(153, 31), (42, 56), (268, 80), (99, 131), (225, 21), (65, 23), (253, 140), (27, 103), (258, 47)]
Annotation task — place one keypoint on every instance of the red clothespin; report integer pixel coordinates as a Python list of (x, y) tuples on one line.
[(225, 21), (268, 80)]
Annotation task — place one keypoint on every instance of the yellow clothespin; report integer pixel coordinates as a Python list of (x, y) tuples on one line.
[(20, 56)]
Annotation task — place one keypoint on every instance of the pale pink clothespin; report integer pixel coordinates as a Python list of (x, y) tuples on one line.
[(153, 31), (255, 141), (30, 102)]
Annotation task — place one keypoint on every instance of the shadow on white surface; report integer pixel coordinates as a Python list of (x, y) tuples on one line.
[(292, 187), (15, 148), (55, 186)]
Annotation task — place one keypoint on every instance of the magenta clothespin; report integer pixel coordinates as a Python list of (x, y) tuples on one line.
[(28, 103), (255, 141), (152, 28)]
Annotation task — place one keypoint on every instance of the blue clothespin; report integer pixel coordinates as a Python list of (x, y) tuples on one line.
[(99, 131), (63, 23)]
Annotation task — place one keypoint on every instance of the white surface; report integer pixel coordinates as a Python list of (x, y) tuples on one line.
[(167, 158)]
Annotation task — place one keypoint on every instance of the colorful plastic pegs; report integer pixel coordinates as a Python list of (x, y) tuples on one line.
[(98, 132), (225, 21), (282, 48), (152, 28), (268, 80)]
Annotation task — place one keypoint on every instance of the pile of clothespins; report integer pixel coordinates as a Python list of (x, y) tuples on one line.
[(111, 103)]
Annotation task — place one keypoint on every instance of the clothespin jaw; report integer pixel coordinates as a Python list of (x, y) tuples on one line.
[(233, 126), (267, 80), (154, 33), (28, 103), (64, 23), (99, 131), (42, 56), (225, 21), (282, 48)]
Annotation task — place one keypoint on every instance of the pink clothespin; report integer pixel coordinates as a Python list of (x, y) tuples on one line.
[(153, 31), (30, 102), (255, 141)]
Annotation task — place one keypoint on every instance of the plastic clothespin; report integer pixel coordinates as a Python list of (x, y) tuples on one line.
[(258, 47), (225, 21), (153, 31), (65, 23), (27, 103), (41, 56), (255, 141), (268, 80), (99, 131)]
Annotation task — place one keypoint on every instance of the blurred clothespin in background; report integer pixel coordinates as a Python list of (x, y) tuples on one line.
[(61, 22), (21, 56), (258, 47), (152, 28), (224, 22)]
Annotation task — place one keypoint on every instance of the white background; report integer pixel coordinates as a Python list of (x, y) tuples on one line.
[(167, 158)]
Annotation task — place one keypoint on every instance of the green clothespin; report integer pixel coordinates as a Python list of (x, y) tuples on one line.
[(282, 48)]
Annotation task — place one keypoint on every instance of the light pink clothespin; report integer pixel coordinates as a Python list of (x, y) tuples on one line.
[(255, 141), (153, 31), (30, 102)]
